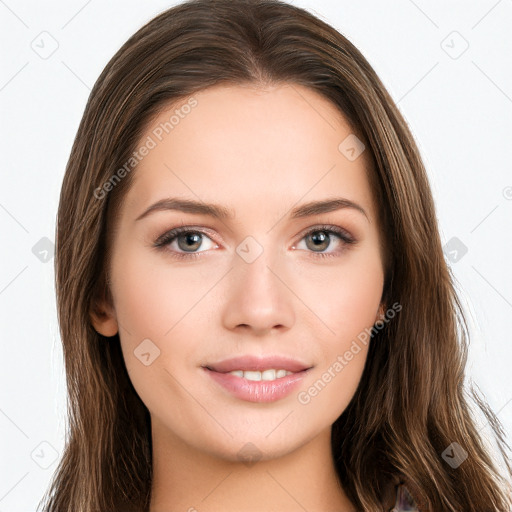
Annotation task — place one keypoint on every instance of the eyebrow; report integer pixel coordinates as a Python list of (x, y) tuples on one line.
[(222, 213)]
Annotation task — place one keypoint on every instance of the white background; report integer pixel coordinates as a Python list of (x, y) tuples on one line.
[(457, 103)]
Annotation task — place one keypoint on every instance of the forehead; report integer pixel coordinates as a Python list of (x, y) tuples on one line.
[(251, 148)]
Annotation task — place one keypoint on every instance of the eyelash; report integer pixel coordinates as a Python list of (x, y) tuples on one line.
[(168, 237)]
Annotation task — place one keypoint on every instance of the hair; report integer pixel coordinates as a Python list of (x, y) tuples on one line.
[(411, 402)]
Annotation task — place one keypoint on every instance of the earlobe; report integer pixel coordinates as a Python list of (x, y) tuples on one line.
[(380, 312), (103, 319)]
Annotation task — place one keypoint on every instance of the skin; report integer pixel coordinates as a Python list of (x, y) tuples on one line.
[(259, 152)]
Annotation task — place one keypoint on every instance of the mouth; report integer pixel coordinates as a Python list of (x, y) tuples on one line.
[(258, 380)]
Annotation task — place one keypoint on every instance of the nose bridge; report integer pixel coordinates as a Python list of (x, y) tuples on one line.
[(257, 274), (258, 297), (255, 270)]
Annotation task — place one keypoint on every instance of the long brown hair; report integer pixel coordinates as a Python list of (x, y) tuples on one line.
[(411, 404)]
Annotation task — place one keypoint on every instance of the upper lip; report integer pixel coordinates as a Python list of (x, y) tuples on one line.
[(253, 363)]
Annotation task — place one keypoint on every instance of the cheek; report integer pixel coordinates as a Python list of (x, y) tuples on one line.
[(155, 299), (347, 303), (345, 297), (156, 303), (150, 299)]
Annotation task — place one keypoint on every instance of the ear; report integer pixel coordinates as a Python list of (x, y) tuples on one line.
[(380, 312), (103, 315)]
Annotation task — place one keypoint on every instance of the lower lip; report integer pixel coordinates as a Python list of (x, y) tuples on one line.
[(258, 390)]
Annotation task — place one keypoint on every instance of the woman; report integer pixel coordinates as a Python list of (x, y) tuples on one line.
[(254, 304)]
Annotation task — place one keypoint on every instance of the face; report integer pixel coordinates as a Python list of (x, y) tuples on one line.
[(267, 279)]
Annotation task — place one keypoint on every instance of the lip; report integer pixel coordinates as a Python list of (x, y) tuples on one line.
[(263, 390), (258, 391), (252, 363)]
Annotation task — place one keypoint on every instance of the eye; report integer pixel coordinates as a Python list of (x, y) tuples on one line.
[(319, 238), (184, 239), (184, 242)]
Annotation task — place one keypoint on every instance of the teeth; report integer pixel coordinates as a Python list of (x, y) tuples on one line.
[(268, 375), (252, 375), (265, 375)]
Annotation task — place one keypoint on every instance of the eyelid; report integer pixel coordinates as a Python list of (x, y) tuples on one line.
[(173, 233), (170, 235), (342, 232)]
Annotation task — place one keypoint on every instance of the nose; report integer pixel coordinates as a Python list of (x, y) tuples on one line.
[(259, 299)]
